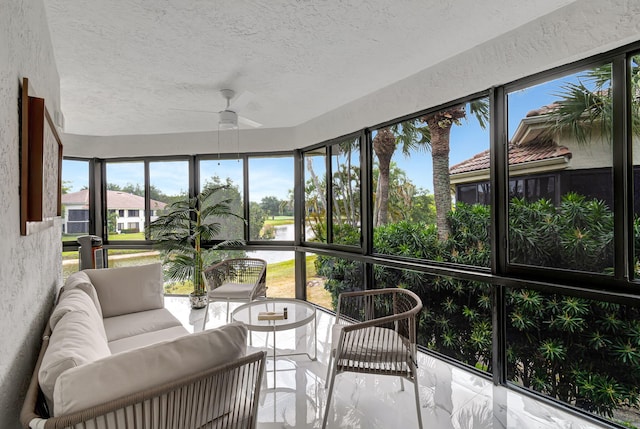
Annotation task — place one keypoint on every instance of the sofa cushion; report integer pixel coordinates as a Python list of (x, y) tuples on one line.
[(81, 280), (75, 341), (77, 300), (128, 289), (143, 368), (233, 291), (148, 338), (127, 325)]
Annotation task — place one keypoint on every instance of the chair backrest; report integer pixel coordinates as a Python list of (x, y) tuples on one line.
[(237, 270), (392, 308)]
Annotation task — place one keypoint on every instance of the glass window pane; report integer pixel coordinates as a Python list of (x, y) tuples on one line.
[(420, 165), (281, 277), (271, 183), (125, 201), (315, 195), (582, 352), (345, 166), (456, 315), (226, 172), (329, 276), (564, 219), (75, 199), (168, 182)]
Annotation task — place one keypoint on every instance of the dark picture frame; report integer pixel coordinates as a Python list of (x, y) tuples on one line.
[(40, 164)]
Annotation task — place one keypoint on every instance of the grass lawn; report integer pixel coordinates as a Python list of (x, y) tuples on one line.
[(280, 283), (279, 220)]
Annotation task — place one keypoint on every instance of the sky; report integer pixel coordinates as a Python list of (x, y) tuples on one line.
[(274, 176)]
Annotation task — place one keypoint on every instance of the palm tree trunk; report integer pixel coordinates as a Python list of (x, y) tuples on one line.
[(440, 130), (384, 144)]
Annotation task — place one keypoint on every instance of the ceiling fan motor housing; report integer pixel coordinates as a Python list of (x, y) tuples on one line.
[(228, 120)]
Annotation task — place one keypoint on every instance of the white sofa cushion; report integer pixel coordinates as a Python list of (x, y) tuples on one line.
[(140, 369), (148, 338), (75, 341), (128, 289), (81, 280), (232, 291), (77, 300), (127, 325)]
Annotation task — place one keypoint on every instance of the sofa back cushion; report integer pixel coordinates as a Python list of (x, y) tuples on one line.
[(80, 280), (75, 341), (139, 369), (77, 300), (128, 289)]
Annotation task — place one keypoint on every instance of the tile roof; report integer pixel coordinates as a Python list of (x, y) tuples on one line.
[(536, 150), (115, 200)]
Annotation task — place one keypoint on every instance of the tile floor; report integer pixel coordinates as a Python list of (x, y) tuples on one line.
[(450, 398)]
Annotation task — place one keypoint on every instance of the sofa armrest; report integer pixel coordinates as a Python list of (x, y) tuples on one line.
[(142, 368), (128, 289), (229, 394)]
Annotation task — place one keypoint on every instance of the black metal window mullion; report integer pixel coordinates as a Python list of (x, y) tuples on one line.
[(622, 170), (300, 267), (366, 205), (147, 200), (194, 176), (499, 226), (246, 206), (329, 191)]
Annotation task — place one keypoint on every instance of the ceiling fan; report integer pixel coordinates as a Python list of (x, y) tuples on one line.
[(229, 118)]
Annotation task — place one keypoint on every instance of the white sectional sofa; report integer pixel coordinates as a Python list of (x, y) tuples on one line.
[(113, 357)]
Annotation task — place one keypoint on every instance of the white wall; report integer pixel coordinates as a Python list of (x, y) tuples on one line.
[(30, 267)]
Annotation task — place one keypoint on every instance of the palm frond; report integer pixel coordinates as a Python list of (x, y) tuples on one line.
[(581, 111), (480, 109), (412, 135)]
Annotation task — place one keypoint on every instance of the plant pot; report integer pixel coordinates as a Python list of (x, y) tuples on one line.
[(198, 301)]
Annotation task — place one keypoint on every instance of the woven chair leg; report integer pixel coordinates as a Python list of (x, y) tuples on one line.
[(417, 391), (326, 379), (402, 384), (329, 394), (206, 313)]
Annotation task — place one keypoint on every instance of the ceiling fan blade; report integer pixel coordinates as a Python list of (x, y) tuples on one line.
[(249, 122), (241, 101), (194, 110)]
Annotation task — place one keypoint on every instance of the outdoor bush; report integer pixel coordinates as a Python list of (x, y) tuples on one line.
[(580, 351)]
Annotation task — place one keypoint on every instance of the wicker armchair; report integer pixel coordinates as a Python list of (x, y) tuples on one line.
[(375, 332), (238, 280)]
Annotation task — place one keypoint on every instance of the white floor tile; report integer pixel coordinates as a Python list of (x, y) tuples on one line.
[(450, 398)]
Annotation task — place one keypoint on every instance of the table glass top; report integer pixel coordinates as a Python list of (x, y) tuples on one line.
[(298, 313)]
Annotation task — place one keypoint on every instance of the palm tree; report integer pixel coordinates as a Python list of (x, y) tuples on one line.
[(183, 228), (430, 131)]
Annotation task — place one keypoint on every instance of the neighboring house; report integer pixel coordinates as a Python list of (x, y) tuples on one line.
[(542, 166), (129, 210)]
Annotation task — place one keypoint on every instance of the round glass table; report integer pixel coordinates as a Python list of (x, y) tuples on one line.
[(299, 313)]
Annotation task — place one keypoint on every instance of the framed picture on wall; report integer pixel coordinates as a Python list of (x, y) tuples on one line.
[(40, 164)]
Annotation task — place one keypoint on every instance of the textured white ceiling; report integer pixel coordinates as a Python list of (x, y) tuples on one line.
[(127, 66)]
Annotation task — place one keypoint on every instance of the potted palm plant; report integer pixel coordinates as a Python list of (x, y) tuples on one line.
[(182, 229)]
